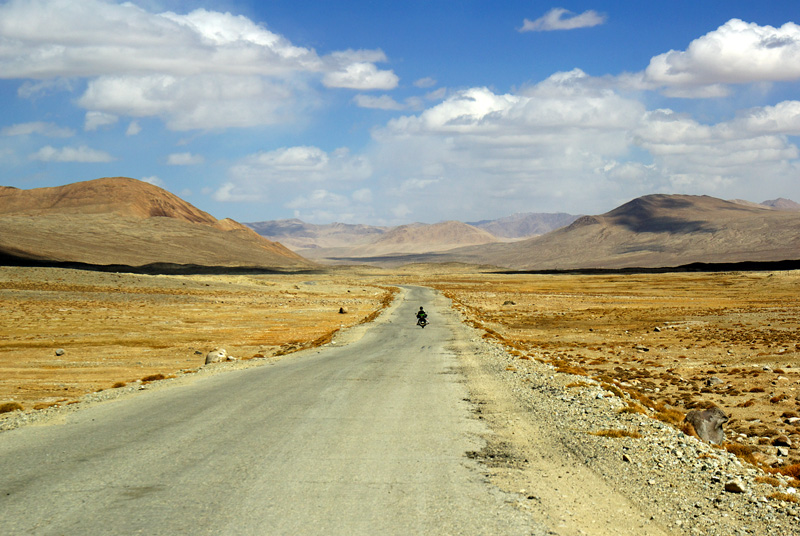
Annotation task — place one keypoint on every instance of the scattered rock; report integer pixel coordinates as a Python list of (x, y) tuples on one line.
[(708, 424), (781, 441), (712, 381), (641, 348), (735, 486), (60, 352), (342, 310), (657, 329), (216, 356), (509, 302)]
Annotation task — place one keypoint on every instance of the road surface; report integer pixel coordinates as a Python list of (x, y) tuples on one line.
[(365, 438)]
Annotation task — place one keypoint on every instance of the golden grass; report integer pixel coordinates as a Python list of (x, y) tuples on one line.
[(786, 497), (617, 433), (7, 407)]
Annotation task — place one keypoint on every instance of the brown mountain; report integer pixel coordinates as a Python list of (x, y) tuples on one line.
[(298, 235), (128, 222), (415, 238), (652, 231), (525, 225)]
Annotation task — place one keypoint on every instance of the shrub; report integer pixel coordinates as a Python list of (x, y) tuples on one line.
[(786, 497), (7, 407), (118, 385), (154, 377), (617, 433)]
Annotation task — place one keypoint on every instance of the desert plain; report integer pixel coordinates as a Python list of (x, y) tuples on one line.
[(673, 342)]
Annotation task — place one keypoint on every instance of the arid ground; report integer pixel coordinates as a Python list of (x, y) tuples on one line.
[(119, 328), (674, 341)]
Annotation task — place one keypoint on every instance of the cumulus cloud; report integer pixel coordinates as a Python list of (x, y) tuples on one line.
[(200, 70), (38, 127), (133, 128), (737, 52), (95, 120), (383, 102), (185, 159), (154, 180), (296, 168), (71, 154), (561, 19)]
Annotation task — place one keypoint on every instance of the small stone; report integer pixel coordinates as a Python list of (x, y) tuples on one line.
[(781, 441), (626, 458), (657, 329), (782, 451), (60, 352), (342, 310), (734, 486), (215, 356)]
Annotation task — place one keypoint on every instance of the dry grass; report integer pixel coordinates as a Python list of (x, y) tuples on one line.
[(7, 407), (769, 480), (786, 497), (117, 328), (723, 339), (617, 433)]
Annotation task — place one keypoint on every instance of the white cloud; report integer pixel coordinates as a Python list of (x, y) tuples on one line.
[(95, 120), (185, 159), (201, 70), (71, 154), (425, 82), (384, 102), (133, 129), (562, 19), (38, 127), (737, 52), (155, 181), (361, 76), (364, 195)]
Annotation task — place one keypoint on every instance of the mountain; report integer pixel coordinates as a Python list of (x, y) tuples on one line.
[(127, 222), (652, 231), (525, 225), (415, 238), (298, 235), (782, 204)]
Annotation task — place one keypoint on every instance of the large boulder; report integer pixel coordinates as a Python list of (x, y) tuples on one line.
[(708, 424), (216, 356)]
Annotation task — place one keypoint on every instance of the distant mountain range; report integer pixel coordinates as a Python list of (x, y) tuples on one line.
[(655, 230), (122, 221), (129, 223)]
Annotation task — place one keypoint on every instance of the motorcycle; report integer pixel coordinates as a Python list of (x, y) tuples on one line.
[(422, 322)]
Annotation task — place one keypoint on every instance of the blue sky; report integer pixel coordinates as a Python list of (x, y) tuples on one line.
[(399, 111)]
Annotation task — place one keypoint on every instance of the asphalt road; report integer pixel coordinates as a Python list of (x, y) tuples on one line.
[(366, 438)]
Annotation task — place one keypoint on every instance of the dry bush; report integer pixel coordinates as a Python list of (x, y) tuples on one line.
[(633, 408), (617, 433), (786, 497), (792, 471), (7, 407), (613, 389), (688, 429), (671, 416), (770, 480), (743, 452), (577, 384), (153, 378), (118, 385)]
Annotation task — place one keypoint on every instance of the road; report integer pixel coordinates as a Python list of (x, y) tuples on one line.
[(364, 438)]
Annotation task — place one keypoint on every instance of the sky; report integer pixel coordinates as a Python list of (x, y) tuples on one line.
[(393, 112)]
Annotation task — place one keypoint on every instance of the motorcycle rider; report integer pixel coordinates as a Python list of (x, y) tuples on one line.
[(421, 315)]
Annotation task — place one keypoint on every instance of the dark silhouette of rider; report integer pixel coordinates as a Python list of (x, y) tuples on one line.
[(421, 315)]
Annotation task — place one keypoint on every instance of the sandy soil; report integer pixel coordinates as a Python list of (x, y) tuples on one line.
[(119, 328), (675, 342)]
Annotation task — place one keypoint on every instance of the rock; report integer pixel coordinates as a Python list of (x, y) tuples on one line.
[(708, 424), (712, 381), (735, 486), (782, 451), (626, 458), (657, 329), (641, 348), (792, 420), (342, 310), (509, 302), (766, 459), (215, 356), (60, 352), (781, 441)]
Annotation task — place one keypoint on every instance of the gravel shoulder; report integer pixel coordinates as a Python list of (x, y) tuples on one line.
[(663, 482)]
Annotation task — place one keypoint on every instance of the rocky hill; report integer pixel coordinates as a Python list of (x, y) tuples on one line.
[(653, 231), (299, 235), (122, 221), (525, 225)]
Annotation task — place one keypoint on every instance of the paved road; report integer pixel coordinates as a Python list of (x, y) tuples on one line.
[(368, 438)]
